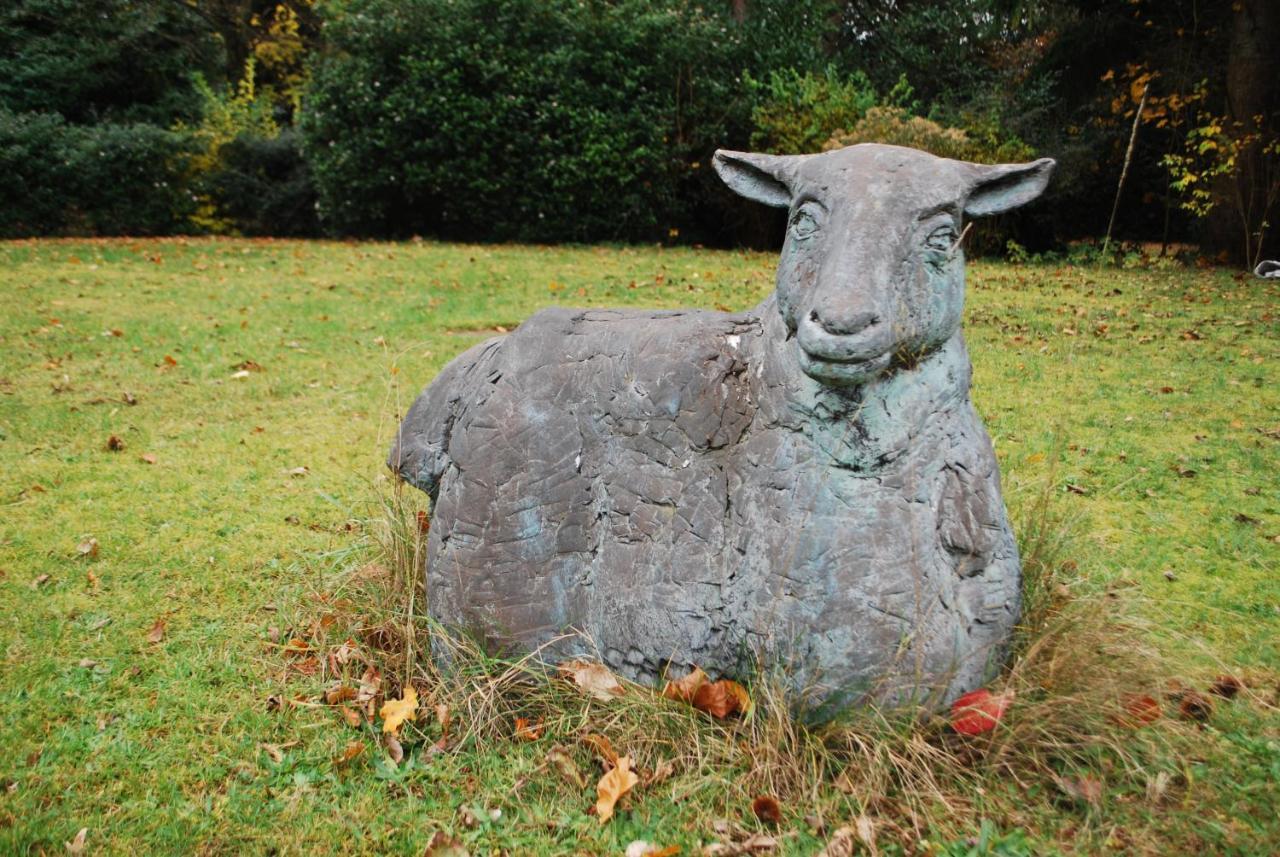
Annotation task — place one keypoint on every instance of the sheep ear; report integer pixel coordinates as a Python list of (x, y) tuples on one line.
[(1000, 187), (763, 178)]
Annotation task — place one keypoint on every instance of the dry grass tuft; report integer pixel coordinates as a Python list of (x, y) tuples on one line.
[(1079, 657)]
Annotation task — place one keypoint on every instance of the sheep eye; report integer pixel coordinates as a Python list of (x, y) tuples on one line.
[(942, 239), (804, 224)]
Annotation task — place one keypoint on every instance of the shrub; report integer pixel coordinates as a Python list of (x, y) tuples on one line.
[(529, 119), (58, 178), (263, 186), (895, 126), (796, 113)]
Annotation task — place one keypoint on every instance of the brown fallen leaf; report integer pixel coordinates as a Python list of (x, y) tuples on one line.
[(1226, 686), (843, 843), (1083, 789), (114, 443), (296, 646), (758, 843), (716, 699), (76, 845), (593, 679), (640, 848), (442, 717), (442, 845), (276, 751), (684, 689), (147, 458), (396, 711), (342, 693), (91, 579), (767, 809), (612, 786), (1195, 706), (39, 581), (559, 758), (865, 828), (600, 744), (661, 773), (88, 548), (394, 748), (351, 716), (527, 731), (355, 748), (156, 634)]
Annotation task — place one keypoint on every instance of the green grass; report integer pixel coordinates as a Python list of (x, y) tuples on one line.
[(1146, 400)]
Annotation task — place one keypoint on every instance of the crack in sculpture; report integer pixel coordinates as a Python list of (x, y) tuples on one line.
[(804, 482)]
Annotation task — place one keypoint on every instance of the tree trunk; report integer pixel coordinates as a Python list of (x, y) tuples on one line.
[(1253, 97)]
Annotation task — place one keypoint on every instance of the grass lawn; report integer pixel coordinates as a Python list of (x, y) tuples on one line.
[(252, 387)]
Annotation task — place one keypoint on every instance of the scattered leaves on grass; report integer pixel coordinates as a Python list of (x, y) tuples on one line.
[(1226, 686), (341, 693), (114, 443), (527, 731), (683, 689), (355, 748), (39, 581), (559, 758), (612, 786), (443, 845), (979, 711), (296, 646), (740, 842), (147, 458), (767, 809), (718, 698), (156, 634), (593, 679), (395, 712), (88, 548)]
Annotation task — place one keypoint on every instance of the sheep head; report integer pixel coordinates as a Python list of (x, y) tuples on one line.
[(872, 274)]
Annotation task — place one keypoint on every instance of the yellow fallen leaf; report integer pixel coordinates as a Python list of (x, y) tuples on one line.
[(396, 711), (613, 786), (602, 747), (594, 679)]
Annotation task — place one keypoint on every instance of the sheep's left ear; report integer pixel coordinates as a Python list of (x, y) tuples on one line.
[(764, 178), (1000, 187)]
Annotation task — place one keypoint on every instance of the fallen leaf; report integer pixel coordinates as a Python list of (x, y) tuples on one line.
[(843, 843), (527, 731), (249, 366), (243, 373), (1084, 789), (114, 444), (394, 748), (600, 744), (76, 845), (612, 786), (1140, 710), (594, 679), (349, 714), (442, 845), (866, 831), (91, 579), (1226, 686), (276, 751), (640, 848), (128, 398), (758, 843), (370, 686), (88, 663), (661, 773), (767, 809), (424, 522), (559, 758), (979, 711), (88, 547), (170, 360), (355, 748), (298, 471), (156, 634), (396, 711), (342, 693), (442, 717), (39, 581), (684, 689), (296, 646), (1195, 706), (717, 699)]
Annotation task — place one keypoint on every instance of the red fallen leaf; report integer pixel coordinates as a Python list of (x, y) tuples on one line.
[(114, 443), (169, 360), (716, 698), (766, 809), (528, 731), (1140, 710), (979, 711), (424, 522), (1226, 686), (297, 646)]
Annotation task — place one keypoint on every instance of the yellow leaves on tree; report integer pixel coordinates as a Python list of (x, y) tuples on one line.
[(396, 711), (612, 786)]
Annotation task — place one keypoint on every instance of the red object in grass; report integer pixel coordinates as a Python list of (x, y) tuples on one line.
[(979, 711), (1141, 710)]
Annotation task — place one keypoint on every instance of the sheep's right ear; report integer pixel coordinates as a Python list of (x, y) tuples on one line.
[(764, 178)]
